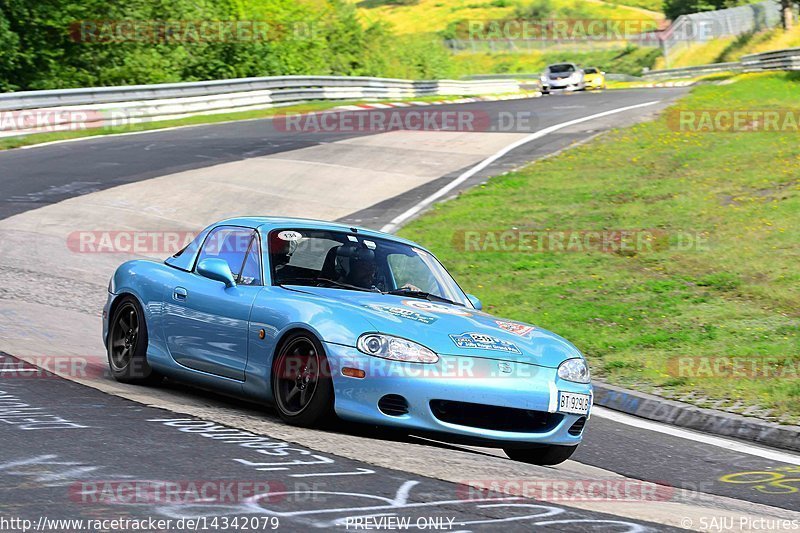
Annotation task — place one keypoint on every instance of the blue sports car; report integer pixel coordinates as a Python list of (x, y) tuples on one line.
[(322, 319)]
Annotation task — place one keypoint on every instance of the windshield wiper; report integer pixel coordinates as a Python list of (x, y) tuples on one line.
[(314, 282), (421, 294), (345, 285)]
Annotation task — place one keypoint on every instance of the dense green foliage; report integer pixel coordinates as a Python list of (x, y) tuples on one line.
[(67, 43)]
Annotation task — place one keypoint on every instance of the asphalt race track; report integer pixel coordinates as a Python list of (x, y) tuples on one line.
[(91, 432)]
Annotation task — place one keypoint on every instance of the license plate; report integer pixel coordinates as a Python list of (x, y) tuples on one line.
[(569, 402)]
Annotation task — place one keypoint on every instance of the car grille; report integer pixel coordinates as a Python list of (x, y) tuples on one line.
[(494, 418), (393, 405), (577, 427)]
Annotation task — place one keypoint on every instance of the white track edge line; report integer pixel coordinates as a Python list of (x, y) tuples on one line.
[(398, 220), (728, 444)]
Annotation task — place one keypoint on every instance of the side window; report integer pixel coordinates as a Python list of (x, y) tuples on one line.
[(234, 245)]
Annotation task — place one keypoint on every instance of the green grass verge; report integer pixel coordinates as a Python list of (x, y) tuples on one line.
[(308, 107), (632, 313)]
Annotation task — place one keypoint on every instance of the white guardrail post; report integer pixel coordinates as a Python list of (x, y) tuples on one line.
[(104, 105)]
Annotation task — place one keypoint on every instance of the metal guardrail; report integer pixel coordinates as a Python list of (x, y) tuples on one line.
[(98, 106), (688, 72), (276, 85), (787, 59)]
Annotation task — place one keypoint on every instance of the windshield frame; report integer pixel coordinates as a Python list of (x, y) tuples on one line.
[(432, 261), (569, 68)]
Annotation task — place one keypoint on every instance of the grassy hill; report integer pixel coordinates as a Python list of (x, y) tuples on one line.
[(733, 48), (436, 18), (426, 16)]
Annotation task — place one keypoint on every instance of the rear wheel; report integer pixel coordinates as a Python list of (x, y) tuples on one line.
[(301, 381), (544, 455), (127, 345)]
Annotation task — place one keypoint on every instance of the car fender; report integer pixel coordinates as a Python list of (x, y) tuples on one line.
[(147, 281), (278, 311)]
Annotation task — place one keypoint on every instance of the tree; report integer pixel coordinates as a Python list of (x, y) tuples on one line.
[(11, 55), (787, 13)]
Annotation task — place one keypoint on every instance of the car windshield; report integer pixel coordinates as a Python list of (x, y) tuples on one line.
[(561, 69), (350, 261), (590, 71)]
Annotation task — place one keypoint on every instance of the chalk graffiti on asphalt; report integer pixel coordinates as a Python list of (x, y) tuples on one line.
[(781, 480), (272, 450), (25, 416), (366, 506)]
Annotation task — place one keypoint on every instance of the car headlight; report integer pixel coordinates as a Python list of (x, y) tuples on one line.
[(574, 370), (543, 78), (111, 288), (395, 348)]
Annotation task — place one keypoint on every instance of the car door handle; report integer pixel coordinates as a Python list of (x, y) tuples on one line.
[(179, 293)]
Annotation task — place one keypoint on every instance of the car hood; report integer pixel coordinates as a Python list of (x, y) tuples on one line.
[(454, 330)]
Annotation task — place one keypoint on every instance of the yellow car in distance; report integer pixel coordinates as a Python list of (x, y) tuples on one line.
[(594, 78)]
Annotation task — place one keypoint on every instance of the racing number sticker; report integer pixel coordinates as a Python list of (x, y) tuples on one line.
[(290, 236), (479, 341)]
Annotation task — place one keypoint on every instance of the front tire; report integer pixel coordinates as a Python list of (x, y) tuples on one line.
[(127, 345), (301, 381), (543, 456)]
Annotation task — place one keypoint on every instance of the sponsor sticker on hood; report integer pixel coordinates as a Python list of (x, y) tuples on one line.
[(514, 327), (433, 307), (402, 312), (480, 341)]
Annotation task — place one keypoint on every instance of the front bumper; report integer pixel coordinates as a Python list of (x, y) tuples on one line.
[(562, 83), (455, 381)]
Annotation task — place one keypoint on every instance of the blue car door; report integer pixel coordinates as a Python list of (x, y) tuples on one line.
[(206, 323)]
